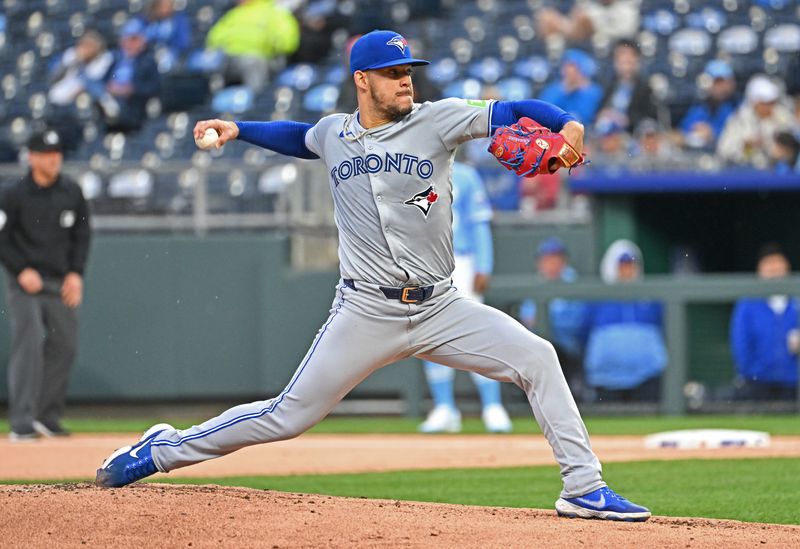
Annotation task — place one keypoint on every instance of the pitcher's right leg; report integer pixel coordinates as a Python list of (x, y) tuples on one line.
[(347, 349)]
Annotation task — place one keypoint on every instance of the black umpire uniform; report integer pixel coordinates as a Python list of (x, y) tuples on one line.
[(44, 227)]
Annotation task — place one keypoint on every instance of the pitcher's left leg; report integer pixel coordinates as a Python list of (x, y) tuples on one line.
[(471, 336)]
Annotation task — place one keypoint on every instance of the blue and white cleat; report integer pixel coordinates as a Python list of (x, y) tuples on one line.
[(604, 503), (130, 463)]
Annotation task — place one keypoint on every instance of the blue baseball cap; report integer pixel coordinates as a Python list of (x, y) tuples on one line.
[(627, 257), (717, 68), (585, 63), (379, 49), (551, 246), (132, 27)]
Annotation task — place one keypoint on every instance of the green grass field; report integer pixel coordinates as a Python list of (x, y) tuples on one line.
[(756, 490), (788, 424)]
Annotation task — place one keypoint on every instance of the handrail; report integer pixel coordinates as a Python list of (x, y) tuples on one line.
[(676, 292)]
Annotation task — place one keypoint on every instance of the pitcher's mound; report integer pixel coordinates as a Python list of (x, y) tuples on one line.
[(160, 515)]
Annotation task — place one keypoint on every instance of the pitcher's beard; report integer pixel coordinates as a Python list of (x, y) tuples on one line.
[(392, 111)]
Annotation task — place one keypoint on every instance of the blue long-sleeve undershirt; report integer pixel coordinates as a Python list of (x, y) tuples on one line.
[(288, 137), (282, 136), (505, 113)]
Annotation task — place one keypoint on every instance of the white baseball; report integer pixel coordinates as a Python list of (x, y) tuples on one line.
[(208, 140)]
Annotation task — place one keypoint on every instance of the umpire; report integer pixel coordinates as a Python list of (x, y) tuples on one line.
[(44, 243)]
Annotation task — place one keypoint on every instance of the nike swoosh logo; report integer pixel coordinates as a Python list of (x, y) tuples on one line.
[(134, 452), (599, 504)]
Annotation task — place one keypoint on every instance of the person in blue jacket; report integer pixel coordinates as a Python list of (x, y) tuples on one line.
[(625, 349), (167, 30), (703, 123), (765, 338), (576, 93), (565, 316)]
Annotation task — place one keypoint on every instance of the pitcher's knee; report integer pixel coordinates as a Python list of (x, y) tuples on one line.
[(539, 360)]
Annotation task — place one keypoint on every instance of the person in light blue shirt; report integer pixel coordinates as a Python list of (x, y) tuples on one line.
[(472, 243), (575, 92), (625, 351)]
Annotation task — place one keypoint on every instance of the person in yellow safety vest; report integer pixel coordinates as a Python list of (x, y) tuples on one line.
[(253, 35)]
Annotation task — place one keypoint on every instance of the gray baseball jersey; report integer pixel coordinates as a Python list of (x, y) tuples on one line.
[(392, 192), (393, 196)]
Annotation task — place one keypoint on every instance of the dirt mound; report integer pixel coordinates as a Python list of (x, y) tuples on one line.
[(154, 515)]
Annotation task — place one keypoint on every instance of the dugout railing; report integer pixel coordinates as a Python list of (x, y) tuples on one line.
[(677, 294)]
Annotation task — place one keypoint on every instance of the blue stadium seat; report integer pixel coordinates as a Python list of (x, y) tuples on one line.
[(514, 88), (467, 88), (443, 71), (488, 69), (535, 67), (233, 99), (321, 99), (299, 77)]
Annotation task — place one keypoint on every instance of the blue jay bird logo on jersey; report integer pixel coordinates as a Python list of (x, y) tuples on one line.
[(399, 42), (424, 200)]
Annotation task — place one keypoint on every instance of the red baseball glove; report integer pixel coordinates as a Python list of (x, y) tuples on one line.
[(528, 148)]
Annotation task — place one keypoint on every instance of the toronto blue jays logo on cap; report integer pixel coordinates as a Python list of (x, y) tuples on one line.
[(379, 49), (423, 200), (399, 42)]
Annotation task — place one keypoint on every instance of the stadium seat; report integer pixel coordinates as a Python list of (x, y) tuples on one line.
[(709, 19), (275, 179), (514, 88), (468, 88), (136, 183), (690, 42), (321, 98), (489, 69), (737, 40), (783, 38), (299, 77), (233, 99), (443, 71), (661, 22), (536, 68)]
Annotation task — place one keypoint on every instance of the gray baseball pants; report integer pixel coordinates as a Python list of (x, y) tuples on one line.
[(44, 342), (366, 331)]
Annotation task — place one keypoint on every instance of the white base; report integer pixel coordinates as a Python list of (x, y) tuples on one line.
[(694, 439)]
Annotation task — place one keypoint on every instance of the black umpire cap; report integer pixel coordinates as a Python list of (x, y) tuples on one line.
[(46, 141)]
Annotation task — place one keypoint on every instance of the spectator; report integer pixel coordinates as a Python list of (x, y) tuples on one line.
[(612, 144), (625, 350), (318, 20), (564, 315), (654, 149), (749, 133), (132, 81), (472, 241), (167, 31), (80, 67), (785, 154), (602, 20), (575, 92), (44, 243), (628, 97), (254, 35), (765, 336), (705, 120)]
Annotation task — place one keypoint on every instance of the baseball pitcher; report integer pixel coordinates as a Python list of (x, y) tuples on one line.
[(389, 165)]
